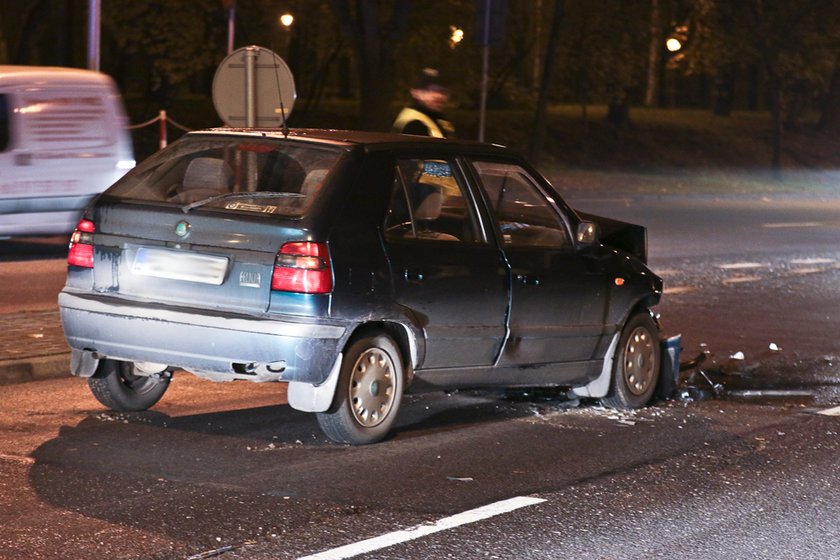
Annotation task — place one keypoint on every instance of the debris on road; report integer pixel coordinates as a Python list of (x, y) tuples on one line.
[(211, 553)]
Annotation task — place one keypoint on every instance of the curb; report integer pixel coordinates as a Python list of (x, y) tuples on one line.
[(34, 369)]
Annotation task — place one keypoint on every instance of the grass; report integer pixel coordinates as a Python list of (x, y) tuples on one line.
[(663, 150)]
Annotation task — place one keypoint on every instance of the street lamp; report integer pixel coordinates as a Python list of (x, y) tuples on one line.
[(286, 20), (673, 44), (456, 35)]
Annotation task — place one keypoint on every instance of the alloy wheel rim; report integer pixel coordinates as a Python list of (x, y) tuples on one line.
[(639, 361), (372, 387)]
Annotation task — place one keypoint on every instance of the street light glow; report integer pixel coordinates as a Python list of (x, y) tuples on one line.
[(456, 35), (286, 20), (673, 44)]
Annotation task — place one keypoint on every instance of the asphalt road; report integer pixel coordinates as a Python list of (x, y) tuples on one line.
[(227, 470)]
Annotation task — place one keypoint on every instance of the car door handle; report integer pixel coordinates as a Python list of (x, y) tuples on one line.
[(413, 275), (528, 280)]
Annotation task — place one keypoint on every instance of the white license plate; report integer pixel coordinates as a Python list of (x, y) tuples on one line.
[(180, 265)]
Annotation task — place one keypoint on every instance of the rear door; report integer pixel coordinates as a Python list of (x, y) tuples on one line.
[(558, 294), (446, 272)]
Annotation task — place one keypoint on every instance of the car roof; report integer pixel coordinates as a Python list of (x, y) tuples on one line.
[(370, 140)]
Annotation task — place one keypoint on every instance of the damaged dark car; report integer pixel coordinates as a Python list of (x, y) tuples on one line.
[(355, 267)]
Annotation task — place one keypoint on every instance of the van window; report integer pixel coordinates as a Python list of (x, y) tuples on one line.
[(4, 122)]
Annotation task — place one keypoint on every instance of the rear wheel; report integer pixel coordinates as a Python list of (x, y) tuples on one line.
[(117, 386), (636, 364), (369, 392)]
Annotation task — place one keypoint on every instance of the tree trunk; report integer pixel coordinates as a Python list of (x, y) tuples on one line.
[(374, 45), (655, 44), (724, 92), (618, 113), (552, 50), (26, 50), (777, 107), (830, 118)]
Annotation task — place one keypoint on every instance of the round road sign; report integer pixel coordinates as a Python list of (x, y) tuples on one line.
[(253, 87)]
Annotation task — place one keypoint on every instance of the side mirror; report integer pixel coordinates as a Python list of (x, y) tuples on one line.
[(588, 233)]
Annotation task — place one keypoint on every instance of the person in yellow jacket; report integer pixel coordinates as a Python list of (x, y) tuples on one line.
[(424, 116)]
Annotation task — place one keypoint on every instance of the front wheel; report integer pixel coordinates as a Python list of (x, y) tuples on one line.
[(636, 364), (369, 392), (117, 386)]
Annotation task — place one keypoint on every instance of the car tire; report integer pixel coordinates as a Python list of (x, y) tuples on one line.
[(116, 386), (369, 392), (636, 366)]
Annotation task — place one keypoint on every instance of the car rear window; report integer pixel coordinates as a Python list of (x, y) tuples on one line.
[(238, 174)]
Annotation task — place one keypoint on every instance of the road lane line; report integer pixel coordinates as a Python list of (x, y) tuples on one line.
[(405, 535), (830, 411), (677, 290), (793, 224), (814, 260), (741, 279), (742, 265), (17, 459), (811, 270)]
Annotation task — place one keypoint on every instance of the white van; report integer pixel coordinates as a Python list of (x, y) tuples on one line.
[(63, 139)]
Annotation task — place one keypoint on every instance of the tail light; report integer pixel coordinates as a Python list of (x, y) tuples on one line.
[(303, 267), (81, 245)]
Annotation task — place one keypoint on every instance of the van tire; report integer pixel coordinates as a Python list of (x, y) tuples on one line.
[(369, 392), (116, 386)]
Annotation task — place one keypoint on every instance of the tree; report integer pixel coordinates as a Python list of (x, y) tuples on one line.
[(830, 118), (790, 46), (603, 53), (187, 39), (794, 44), (374, 31), (550, 63), (656, 41)]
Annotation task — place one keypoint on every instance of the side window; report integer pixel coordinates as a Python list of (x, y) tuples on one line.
[(4, 122), (428, 202), (525, 217)]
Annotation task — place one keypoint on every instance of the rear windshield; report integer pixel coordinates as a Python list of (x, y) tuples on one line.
[(248, 175)]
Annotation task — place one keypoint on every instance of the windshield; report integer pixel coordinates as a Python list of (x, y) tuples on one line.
[(251, 175)]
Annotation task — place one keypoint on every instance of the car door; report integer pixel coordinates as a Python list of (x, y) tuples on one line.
[(449, 276), (558, 294)]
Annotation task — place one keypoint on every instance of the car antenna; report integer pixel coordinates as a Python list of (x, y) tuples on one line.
[(284, 126)]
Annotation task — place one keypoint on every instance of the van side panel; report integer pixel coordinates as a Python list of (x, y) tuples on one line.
[(67, 142)]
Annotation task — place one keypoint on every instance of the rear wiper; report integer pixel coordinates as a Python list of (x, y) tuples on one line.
[(185, 209)]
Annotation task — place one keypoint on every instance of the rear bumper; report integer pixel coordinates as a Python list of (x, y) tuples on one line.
[(223, 344)]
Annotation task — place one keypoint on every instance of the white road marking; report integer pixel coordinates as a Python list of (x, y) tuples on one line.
[(793, 224), (742, 265), (668, 271), (741, 279), (397, 537), (830, 411), (677, 290), (814, 260), (17, 459), (811, 270)]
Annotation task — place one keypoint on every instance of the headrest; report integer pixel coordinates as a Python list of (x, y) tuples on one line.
[(207, 173), (430, 207)]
